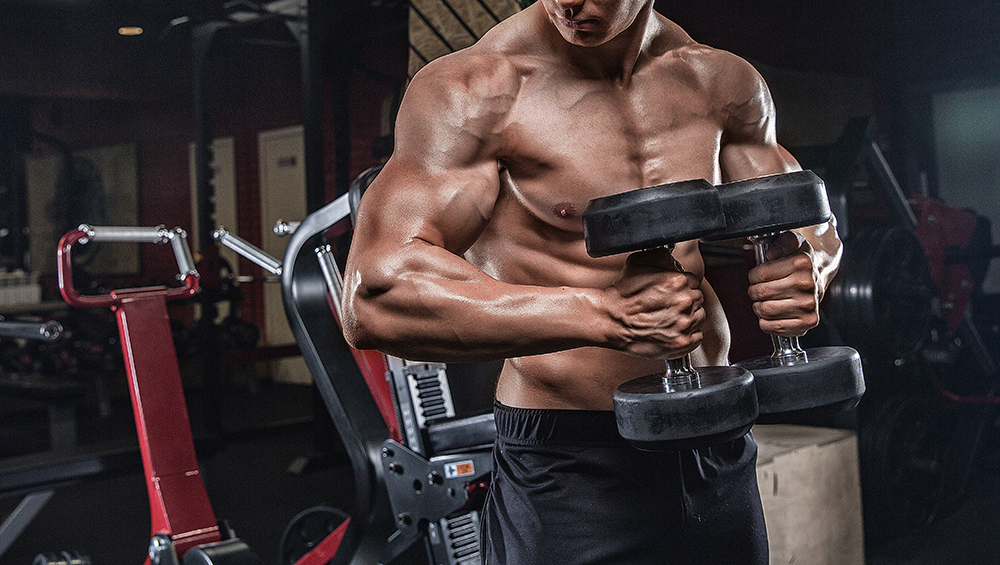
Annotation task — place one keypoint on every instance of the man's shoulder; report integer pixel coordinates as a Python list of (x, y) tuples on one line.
[(497, 61), (471, 71)]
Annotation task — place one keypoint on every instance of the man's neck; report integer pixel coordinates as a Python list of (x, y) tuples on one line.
[(615, 60)]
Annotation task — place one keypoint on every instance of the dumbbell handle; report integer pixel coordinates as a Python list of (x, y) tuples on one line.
[(680, 374), (786, 349)]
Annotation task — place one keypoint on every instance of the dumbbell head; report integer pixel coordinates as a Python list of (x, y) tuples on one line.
[(792, 385), (652, 217), (654, 415), (772, 204), (829, 380)]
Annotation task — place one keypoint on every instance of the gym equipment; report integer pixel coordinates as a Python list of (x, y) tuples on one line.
[(792, 384), (42, 331), (420, 450), (883, 293), (682, 407), (33, 502), (184, 528)]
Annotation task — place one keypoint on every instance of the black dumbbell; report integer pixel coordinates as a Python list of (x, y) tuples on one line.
[(792, 384), (680, 408)]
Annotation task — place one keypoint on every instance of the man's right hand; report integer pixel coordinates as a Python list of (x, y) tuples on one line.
[(657, 305)]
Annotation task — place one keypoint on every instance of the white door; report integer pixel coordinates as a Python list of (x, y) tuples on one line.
[(282, 197)]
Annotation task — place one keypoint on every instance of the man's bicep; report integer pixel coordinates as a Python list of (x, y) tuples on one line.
[(749, 159), (749, 138), (442, 181), (446, 208)]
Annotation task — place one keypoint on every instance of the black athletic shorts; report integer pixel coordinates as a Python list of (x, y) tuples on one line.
[(567, 489)]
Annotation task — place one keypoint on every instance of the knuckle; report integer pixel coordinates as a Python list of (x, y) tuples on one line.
[(804, 282), (764, 310), (811, 320)]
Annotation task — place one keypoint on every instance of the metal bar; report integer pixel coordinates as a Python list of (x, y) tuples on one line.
[(21, 516), (248, 250), (185, 261), (894, 192), (125, 234), (42, 331), (334, 282)]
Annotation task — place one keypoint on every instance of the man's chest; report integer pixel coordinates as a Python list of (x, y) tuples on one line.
[(569, 141)]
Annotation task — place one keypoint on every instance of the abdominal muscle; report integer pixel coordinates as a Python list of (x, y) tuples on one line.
[(583, 378)]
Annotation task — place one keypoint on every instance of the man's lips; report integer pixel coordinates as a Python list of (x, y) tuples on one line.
[(578, 24)]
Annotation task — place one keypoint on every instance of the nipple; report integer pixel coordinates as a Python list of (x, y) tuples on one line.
[(565, 210)]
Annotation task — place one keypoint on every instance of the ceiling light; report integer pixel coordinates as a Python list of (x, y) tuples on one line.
[(130, 30)]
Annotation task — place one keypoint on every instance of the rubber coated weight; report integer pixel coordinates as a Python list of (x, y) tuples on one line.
[(652, 217), (653, 415), (828, 382), (792, 384), (772, 204), (306, 530), (681, 408)]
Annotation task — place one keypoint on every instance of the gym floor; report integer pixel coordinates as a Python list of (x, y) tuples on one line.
[(272, 465)]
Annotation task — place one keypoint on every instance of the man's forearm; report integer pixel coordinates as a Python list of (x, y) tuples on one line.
[(436, 307), (827, 250)]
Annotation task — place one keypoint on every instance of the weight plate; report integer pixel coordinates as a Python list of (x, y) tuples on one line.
[(902, 445), (306, 530), (654, 416), (881, 300), (652, 217)]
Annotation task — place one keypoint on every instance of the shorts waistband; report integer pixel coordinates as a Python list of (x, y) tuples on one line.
[(578, 427)]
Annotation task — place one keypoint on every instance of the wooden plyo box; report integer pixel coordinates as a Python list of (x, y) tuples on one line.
[(810, 489)]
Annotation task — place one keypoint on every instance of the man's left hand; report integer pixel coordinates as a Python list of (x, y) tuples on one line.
[(785, 290)]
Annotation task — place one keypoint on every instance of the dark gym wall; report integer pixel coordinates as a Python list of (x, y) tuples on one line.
[(255, 90), (255, 86), (908, 50)]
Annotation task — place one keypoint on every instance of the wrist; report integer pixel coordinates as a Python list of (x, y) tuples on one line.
[(601, 326)]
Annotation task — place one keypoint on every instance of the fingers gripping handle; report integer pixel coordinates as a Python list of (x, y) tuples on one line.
[(786, 349), (680, 373), (177, 238)]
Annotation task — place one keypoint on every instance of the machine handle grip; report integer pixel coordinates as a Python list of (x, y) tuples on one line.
[(41, 331), (177, 238), (248, 250)]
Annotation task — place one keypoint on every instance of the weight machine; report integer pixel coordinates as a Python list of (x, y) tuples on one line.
[(420, 448), (904, 297)]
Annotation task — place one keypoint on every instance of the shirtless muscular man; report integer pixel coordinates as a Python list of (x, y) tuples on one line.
[(469, 246)]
